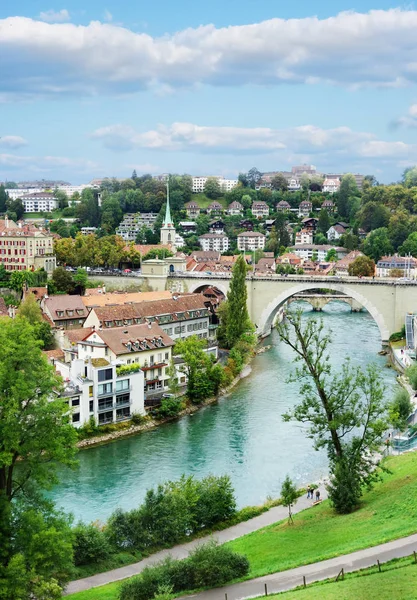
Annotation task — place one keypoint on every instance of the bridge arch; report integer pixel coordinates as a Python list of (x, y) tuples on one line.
[(268, 314), (199, 287)]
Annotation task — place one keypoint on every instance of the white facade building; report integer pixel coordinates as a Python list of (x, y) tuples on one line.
[(260, 209), (250, 240), (214, 242), (304, 236), (132, 223), (305, 208), (14, 194), (406, 264), (307, 251), (331, 185), (39, 202), (226, 184), (94, 389)]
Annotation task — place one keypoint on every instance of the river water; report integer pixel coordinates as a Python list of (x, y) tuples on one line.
[(242, 435)]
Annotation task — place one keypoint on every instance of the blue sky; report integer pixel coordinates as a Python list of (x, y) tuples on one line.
[(95, 89)]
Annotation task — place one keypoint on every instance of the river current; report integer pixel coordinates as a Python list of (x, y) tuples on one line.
[(242, 435)]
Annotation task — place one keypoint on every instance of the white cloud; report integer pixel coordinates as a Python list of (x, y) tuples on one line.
[(12, 141), (378, 48), (55, 16), (410, 119), (304, 141), (45, 164)]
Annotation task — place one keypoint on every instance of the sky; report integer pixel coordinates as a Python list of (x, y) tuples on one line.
[(93, 89)]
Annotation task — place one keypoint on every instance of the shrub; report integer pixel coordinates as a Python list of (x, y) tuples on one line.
[(216, 501), (344, 488), (208, 565), (170, 407), (90, 544), (411, 373), (138, 419), (401, 408)]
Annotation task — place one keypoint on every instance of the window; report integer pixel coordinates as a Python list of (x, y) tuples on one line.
[(75, 402), (190, 327), (105, 374), (123, 399), (160, 357), (177, 330), (122, 385), (91, 406), (106, 417), (105, 388), (90, 391), (159, 372), (105, 403), (123, 413), (152, 359), (76, 418)]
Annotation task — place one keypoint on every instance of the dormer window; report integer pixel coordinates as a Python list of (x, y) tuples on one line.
[(119, 323), (107, 323), (70, 313), (80, 311)]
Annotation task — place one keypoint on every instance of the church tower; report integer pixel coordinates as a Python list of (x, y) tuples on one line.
[(168, 229)]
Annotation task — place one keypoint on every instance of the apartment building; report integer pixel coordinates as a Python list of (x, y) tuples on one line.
[(25, 247), (235, 209), (225, 184), (331, 186), (406, 265), (305, 236), (193, 209), (145, 345), (214, 242), (283, 206), (307, 251), (132, 223), (260, 209), (14, 194), (250, 240), (39, 202), (305, 208), (98, 388), (64, 310), (179, 316)]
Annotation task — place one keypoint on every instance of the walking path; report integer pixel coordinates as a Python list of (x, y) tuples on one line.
[(267, 518), (287, 580)]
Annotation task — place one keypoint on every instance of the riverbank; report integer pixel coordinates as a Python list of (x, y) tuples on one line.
[(151, 423)]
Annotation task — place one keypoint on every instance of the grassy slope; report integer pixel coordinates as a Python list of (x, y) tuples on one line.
[(203, 201), (397, 584), (389, 511)]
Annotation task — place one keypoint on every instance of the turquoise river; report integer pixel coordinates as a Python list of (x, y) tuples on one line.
[(243, 434)]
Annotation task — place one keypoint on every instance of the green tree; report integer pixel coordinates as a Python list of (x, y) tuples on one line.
[(399, 227), (362, 266), (345, 411), (238, 321), (348, 189), (410, 177), (173, 384), (31, 311), (15, 209), (400, 409), (273, 243), (377, 244), (246, 201), (253, 177), (4, 197), (62, 280), (111, 214), (373, 216), (331, 256), (18, 279), (289, 495), (196, 361), (158, 253), (35, 438), (212, 188), (61, 197), (410, 245), (80, 279), (279, 182), (323, 224)]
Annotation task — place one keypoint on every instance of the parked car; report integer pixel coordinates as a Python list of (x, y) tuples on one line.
[(127, 270)]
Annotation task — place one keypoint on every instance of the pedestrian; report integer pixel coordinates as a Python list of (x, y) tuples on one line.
[(317, 495), (308, 492)]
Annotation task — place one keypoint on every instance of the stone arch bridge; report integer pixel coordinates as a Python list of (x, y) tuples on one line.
[(319, 301), (387, 300)]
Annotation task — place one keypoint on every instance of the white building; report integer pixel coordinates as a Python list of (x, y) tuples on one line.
[(406, 264), (305, 236), (294, 184), (226, 184), (88, 230), (14, 194), (235, 209), (260, 209), (39, 202), (69, 190), (214, 242), (331, 185), (335, 232), (250, 240), (307, 251), (132, 223), (96, 388), (305, 208)]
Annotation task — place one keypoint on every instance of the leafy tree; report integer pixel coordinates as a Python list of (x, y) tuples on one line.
[(377, 244), (331, 256), (323, 224), (212, 188), (411, 371), (253, 177), (273, 242), (345, 411), (362, 266), (410, 177), (348, 189), (173, 384), (61, 197), (349, 240), (158, 253), (400, 409), (196, 361), (4, 197), (410, 245), (15, 209), (35, 438), (279, 182), (90, 544), (289, 495), (243, 179), (31, 311), (18, 279), (246, 201), (62, 280), (373, 216), (111, 214), (238, 321), (81, 280), (399, 228)]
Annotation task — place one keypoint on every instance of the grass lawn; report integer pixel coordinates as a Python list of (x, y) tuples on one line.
[(388, 512), (400, 583), (203, 201), (398, 344)]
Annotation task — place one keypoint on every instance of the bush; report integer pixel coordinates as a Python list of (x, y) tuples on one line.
[(138, 419), (90, 544), (344, 488), (208, 565), (411, 373), (401, 408), (216, 501), (170, 407)]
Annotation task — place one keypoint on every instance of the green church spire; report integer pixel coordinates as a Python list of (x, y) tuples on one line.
[(167, 221)]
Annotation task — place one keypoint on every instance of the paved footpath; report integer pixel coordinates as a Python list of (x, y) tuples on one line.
[(267, 518)]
